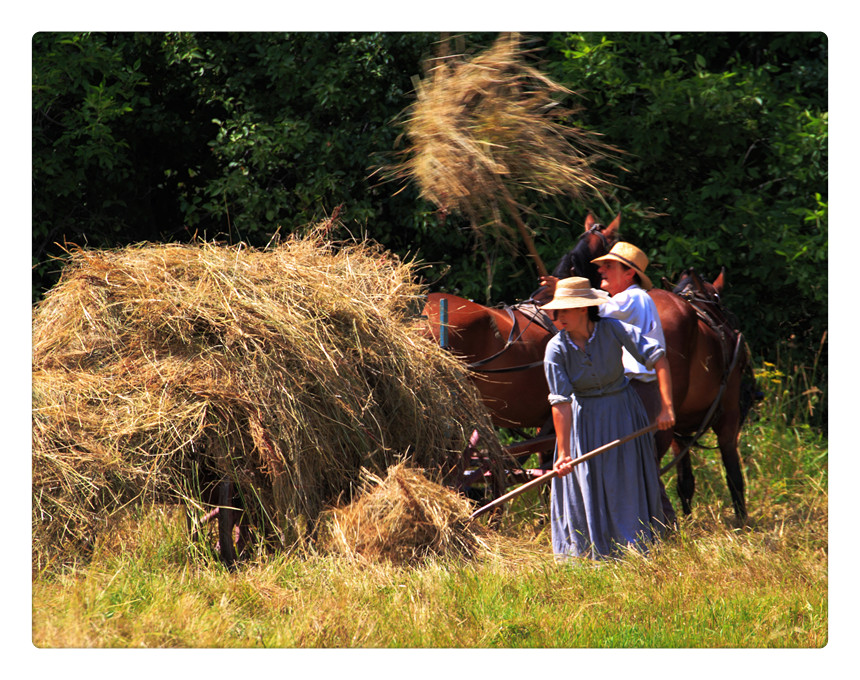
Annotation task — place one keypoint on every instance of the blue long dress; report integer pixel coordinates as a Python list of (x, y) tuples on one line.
[(611, 501)]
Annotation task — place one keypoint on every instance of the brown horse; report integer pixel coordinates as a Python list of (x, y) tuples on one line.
[(711, 380), (504, 348), (708, 359)]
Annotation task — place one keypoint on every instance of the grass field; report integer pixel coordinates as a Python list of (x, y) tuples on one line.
[(711, 584)]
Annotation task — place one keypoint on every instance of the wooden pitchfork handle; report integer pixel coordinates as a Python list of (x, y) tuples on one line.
[(543, 479)]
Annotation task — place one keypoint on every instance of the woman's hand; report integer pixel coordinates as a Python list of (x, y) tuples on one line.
[(666, 417), (561, 420), (563, 464)]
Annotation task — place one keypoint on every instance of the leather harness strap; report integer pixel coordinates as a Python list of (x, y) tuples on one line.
[(534, 315), (530, 309), (713, 314), (709, 416)]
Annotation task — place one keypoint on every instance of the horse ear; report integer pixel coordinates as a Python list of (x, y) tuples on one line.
[(614, 227), (589, 221), (720, 282), (698, 284)]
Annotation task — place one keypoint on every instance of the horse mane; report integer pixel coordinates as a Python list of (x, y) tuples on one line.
[(578, 261)]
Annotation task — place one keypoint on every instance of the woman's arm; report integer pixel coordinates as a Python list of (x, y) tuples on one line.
[(666, 417), (562, 420)]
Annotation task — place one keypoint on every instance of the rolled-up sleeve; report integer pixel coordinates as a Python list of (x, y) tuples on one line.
[(560, 387), (635, 307), (644, 349)]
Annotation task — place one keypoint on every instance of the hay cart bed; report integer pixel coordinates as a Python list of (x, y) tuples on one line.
[(160, 371)]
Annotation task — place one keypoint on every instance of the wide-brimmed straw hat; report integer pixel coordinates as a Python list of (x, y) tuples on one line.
[(630, 255), (575, 292)]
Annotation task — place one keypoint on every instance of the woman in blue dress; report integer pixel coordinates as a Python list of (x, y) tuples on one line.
[(612, 501)]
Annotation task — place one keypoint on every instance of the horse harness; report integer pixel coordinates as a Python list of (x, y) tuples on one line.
[(532, 311), (535, 315), (598, 230), (709, 309)]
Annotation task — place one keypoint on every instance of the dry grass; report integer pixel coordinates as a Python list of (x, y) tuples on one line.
[(404, 518), (711, 584), (159, 369), (485, 132)]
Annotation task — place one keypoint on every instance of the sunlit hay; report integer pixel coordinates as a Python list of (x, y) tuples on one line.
[(158, 369), (485, 131), (403, 518)]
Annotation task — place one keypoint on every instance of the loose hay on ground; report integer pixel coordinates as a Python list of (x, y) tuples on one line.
[(160, 368), (407, 518), (403, 518)]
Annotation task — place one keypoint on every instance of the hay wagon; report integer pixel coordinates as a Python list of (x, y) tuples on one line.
[(476, 475), (162, 372)]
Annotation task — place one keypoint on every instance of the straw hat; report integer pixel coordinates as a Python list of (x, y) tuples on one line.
[(575, 292), (630, 255)]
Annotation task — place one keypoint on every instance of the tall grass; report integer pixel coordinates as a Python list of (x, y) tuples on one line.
[(796, 390), (710, 584)]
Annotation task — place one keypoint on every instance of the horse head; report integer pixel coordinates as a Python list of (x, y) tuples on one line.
[(595, 241), (692, 285)]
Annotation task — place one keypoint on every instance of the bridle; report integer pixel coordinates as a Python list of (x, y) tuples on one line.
[(597, 229), (580, 264)]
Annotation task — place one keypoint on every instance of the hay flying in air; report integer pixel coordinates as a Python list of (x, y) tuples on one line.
[(485, 132), (158, 369)]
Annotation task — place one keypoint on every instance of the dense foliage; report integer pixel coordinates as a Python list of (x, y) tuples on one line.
[(235, 136), (156, 137), (728, 138)]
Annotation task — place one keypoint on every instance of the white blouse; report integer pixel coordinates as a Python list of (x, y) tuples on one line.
[(635, 307)]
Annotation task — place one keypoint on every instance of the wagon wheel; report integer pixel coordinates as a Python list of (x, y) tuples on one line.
[(479, 479), (541, 445), (227, 523), (469, 472)]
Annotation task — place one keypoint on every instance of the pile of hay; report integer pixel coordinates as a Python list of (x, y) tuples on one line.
[(158, 369), (403, 518)]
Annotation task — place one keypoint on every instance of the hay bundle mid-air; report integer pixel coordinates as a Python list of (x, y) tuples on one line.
[(485, 132), (158, 368)]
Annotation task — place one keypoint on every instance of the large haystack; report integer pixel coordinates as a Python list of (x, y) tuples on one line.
[(158, 368)]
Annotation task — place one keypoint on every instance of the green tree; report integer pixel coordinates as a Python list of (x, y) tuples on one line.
[(144, 136), (727, 135), (158, 136)]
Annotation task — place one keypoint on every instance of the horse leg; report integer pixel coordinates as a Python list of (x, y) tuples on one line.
[(662, 441), (226, 524), (727, 438), (686, 480)]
